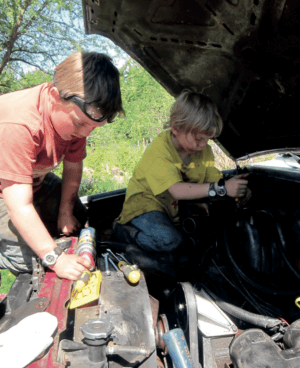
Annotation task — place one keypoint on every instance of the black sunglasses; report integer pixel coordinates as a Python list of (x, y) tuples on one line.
[(82, 105)]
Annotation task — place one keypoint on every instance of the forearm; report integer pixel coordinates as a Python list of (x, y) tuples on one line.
[(33, 231), (71, 179), (189, 190)]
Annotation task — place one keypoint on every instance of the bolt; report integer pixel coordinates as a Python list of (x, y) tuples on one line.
[(111, 253), (112, 263), (105, 256), (115, 267)]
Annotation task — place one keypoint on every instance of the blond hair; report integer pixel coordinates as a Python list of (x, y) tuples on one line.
[(194, 112)]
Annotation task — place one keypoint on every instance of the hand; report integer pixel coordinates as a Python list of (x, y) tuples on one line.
[(70, 266), (203, 206), (68, 224), (237, 186), (243, 200)]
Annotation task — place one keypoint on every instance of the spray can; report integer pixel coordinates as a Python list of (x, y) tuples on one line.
[(87, 245)]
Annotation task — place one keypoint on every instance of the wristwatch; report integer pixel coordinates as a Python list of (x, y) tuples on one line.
[(211, 190), (221, 190), (51, 257)]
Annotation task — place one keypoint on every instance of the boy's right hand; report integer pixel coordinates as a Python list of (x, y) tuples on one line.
[(70, 266), (237, 186)]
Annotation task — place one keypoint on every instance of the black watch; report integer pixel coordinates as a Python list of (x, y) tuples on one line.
[(211, 190), (221, 190)]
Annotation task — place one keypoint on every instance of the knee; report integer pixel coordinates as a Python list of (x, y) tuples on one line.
[(160, 240)]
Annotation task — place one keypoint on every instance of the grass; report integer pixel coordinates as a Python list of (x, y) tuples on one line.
[(7, 279)]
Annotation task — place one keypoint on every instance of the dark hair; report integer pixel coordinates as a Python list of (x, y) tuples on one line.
[(92, 77), (194, 112)]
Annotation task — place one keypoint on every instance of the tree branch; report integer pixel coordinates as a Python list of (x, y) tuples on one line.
[(32, 64)]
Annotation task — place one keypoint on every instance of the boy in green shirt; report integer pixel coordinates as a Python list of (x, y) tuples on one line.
[(178, 165)]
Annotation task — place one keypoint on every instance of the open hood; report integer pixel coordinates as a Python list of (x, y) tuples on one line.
[(244, 54)]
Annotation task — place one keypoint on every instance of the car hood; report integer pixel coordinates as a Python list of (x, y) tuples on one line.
[(244, 54)]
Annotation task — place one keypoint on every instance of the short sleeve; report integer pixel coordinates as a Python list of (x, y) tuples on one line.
[(161, 175), (77, 151), (17, 153), (212, 173)]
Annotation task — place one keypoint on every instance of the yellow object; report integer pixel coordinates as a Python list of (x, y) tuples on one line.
[(297, 302), (89, 292), (81, 283), (159, 169), (131, 274)]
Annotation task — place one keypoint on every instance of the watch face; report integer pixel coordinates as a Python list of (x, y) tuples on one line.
[(221, 191), (212, 193), (50, 259)]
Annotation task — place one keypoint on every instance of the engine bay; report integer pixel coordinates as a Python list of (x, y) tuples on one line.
[(234, 301)]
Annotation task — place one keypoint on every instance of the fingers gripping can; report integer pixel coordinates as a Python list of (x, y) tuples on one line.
[(87, 245)]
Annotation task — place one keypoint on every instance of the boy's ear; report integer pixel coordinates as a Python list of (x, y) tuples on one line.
[(174, 130), (54, 92)]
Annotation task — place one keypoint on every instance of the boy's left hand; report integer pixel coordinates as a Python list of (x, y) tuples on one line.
[(68, 224)]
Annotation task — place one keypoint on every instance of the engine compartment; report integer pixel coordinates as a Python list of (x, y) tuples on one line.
[(239, 309)]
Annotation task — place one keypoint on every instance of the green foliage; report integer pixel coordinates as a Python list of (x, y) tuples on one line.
[(34, 78), (8, 81), (146, 104), (7, 279)]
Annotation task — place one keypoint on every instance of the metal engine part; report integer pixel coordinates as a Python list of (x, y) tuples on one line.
[(254, 348), (207, 329), (186, 310), (117, 331)]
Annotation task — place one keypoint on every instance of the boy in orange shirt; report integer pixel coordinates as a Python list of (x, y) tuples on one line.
[(39, 128)]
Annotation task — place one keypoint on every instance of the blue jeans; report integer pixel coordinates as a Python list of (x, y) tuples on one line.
[(153, 232)]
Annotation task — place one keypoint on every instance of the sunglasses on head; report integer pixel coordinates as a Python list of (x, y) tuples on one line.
[(83, 107)]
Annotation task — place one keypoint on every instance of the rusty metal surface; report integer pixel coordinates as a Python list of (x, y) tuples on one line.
[(154, 303), (128, 308), (221, 350), (38, 275), (82, 315), (58, 291)]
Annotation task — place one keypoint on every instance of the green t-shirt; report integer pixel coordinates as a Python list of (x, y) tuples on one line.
[(159, 169)]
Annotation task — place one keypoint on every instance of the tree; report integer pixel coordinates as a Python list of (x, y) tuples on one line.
[(40, 33)]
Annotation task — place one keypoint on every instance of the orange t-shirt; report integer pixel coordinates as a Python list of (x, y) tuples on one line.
[(29, 145)]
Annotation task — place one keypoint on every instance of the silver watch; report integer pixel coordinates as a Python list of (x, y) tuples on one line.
[(221, 190), (51, 257), (211, 190)]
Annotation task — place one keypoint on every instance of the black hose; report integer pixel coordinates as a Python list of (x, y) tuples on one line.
[(250, 300), (251, 282), (262, 307), (281, 248), (268, 323)]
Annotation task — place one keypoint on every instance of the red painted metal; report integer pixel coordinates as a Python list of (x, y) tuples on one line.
[(58, 291)]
